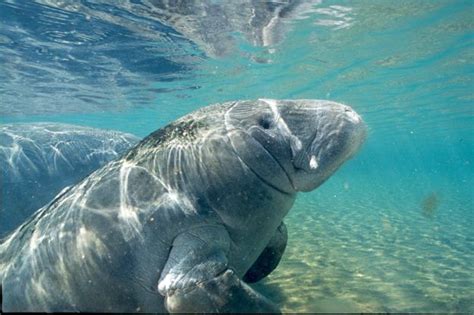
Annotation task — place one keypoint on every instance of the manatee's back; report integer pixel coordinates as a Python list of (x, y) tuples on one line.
[(64, 255), (38, 160), (86, 233)]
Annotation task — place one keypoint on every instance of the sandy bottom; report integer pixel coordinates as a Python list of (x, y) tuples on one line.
[(376, 250)]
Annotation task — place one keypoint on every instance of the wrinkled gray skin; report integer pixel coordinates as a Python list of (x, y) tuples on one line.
[(176, 223), (38, 160)]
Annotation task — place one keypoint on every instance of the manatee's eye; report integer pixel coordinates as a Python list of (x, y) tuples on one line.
[(265, 122)]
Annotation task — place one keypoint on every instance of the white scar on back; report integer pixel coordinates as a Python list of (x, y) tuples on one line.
[(313, 164)]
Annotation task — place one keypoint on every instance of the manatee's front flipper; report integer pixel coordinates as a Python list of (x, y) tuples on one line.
[(197, 277), (270, 257)]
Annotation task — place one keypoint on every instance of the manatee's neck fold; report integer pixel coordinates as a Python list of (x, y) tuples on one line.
[(261, 162)]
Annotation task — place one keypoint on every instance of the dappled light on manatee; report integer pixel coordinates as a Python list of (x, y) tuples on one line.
[(195, 211), (430, 204)]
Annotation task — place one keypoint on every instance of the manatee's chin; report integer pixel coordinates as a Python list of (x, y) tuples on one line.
[(306, 181)]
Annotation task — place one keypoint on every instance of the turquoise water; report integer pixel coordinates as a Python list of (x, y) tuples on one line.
[(392, 231)]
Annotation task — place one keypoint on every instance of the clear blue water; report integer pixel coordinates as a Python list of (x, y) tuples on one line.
[(392, 231)]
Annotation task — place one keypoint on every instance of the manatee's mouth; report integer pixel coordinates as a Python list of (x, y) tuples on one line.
[(306, 161), (331, 151), (323, 156)]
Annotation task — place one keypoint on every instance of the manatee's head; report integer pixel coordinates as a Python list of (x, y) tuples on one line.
[(294, 145)]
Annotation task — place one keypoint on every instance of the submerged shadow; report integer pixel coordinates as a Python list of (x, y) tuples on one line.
[(430, 204)]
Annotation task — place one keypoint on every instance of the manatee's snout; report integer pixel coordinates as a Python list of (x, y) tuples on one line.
[(337, 132), (294, 145), (359, 129), (356, 129)]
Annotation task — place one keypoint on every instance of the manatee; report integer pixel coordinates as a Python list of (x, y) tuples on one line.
[(179, 221), (37, 160)]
